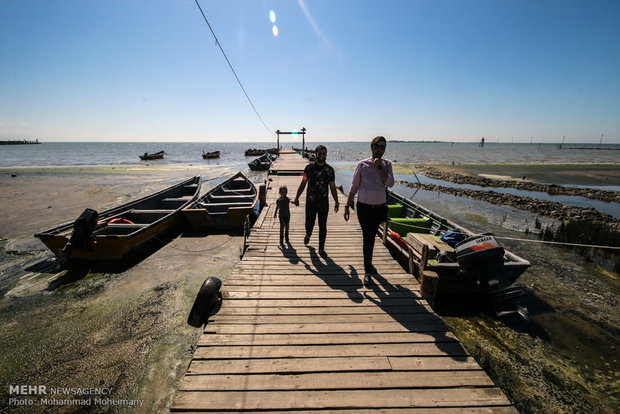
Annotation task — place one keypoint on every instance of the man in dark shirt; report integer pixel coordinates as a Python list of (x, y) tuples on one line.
[(319, 176)]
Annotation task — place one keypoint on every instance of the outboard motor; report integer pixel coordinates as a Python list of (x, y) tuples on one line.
[(482, 258), (83, 228)]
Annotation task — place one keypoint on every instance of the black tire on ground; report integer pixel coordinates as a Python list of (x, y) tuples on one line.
[(206, 301)]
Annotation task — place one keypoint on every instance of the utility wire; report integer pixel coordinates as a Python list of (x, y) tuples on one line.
[(423, 228), (560, 243), (217, 42)]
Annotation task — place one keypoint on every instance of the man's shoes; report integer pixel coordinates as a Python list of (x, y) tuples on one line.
[(367, 280), (322, 252), (306, 239), (288, 241), (371, 270)]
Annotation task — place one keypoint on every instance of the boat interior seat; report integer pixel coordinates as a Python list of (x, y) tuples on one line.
[(168, 211), (119, 229), (226, 191), (128, 226), (230, 198), (182, 198), (220, 207)]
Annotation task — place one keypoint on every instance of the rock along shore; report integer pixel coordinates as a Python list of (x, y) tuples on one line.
[(553, 189), (541, 207)]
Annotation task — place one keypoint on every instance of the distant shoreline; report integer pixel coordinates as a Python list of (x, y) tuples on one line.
[(314, 140), (20, 142)]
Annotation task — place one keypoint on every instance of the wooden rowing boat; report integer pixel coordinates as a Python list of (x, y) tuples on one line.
[(117, 232), (254, 152), (428, 244), (226, 206), (210, 155), (152, 156), (261, 163)]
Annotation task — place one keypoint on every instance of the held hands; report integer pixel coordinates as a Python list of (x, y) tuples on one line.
[(296, 202)]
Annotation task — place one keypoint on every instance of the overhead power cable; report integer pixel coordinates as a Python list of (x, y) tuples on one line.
[(217, 42)]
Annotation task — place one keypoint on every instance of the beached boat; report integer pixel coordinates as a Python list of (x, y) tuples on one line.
[(255, 152), (261, 163), (210, 155), (115, 233), (449, 259), (224, 207), (152, 156)]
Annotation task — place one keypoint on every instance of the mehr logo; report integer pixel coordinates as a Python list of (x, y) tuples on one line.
[(27, 389)]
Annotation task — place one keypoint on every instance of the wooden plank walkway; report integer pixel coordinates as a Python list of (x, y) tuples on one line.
[(299, 333)]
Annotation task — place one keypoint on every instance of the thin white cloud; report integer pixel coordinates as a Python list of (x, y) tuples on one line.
[(323, 40)]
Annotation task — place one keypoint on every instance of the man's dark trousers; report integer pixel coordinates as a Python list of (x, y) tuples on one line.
[(370, 217), (318, 207)]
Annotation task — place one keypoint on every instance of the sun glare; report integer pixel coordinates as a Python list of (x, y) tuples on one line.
[(272, 16), (275, 31)]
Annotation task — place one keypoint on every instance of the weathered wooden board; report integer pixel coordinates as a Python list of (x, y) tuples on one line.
[(325, 339), (453, 349), (356, 299), (427, 325), (341, 380), (336, 399), (345, 311), (302, 365)]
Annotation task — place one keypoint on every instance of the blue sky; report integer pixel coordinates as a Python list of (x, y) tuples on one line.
[(149, 70)]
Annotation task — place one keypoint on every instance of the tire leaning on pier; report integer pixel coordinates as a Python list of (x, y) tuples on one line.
[(207, 301)]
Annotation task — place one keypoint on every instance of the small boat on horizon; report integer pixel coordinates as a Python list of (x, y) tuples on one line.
[(152, 156), (117, 232), (224, 207), (255, 152), (210, 155)]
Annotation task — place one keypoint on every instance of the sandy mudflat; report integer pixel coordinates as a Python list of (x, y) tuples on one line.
[(574, 174)]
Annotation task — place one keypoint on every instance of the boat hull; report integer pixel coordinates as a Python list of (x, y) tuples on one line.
[(117, 241), (225, 207), (155, 156), (211, 155)]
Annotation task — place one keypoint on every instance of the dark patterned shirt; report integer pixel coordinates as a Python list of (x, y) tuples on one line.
[(319, 177), (283, 206)]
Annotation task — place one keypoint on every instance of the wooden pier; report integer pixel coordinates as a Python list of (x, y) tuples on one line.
[(299, 333)]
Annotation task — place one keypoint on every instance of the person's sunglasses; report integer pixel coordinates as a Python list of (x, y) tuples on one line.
[(378, 146)]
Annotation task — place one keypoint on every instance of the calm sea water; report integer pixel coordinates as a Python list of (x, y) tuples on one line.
[(122, 153)]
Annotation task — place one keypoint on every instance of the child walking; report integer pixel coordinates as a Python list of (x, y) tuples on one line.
[(282, 205)]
